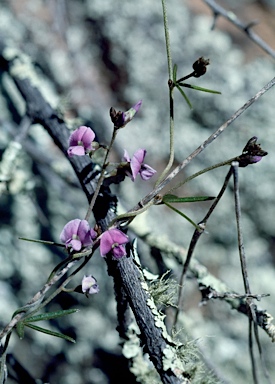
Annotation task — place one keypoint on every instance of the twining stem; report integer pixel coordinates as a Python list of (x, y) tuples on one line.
[(235, 166), (250, 304), (101, 178), (171, 97), (167, 40)]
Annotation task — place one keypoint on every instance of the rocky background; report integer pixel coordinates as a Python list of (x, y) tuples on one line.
[(89, 56)]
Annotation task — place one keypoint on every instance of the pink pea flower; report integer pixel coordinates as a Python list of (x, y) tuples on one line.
[(120, 119), (80, 141), (113, 241), (137, 165), (77, 234), (89, 285)]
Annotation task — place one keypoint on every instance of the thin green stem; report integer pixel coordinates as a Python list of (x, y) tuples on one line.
[(102, 175), (167, 40), (171, 89), (186, 77), (227, 162), (172, 153)]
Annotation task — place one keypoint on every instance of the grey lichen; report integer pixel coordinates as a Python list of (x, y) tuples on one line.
[(21, 67)]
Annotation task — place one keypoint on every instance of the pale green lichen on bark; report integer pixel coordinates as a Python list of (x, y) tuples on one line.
[(21, 66), (131, 347)]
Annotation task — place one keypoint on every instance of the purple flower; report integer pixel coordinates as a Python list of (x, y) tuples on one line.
[(80, 141), (120, 119), (252, 153), (77, 234), (113, 241), (137, 166), (89, 285)]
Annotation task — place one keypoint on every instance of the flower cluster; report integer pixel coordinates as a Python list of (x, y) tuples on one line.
[(77, 235)]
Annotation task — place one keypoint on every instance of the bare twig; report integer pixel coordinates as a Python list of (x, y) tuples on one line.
[(195, 238), (250, 304), (246, 28)]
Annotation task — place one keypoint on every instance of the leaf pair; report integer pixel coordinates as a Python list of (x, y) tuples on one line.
[(180, 84), (44, 316)]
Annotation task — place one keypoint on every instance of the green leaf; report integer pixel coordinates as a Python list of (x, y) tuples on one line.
[(183, 215), (42, 242), (48, 332), (20, 329), (199, 88), (192, 199), (184, 96), (50, 315), (175, 68)]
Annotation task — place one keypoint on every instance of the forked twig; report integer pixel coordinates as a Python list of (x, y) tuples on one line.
[(250, 303), (195, 238), (246, 28)]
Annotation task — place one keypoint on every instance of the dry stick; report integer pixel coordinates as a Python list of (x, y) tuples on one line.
[(195, 238), (235, 166), (205, 144), (246, 28), (250, 303)]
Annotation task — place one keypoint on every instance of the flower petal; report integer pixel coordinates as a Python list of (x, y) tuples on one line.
[(118, 236), (75, 244), (77, 150), (89, 285), (126, 156), (88, 137), (119, 251), (83, 228), (137, 161), (106, 243), (112, 239), (146, 172), (69, 230)]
